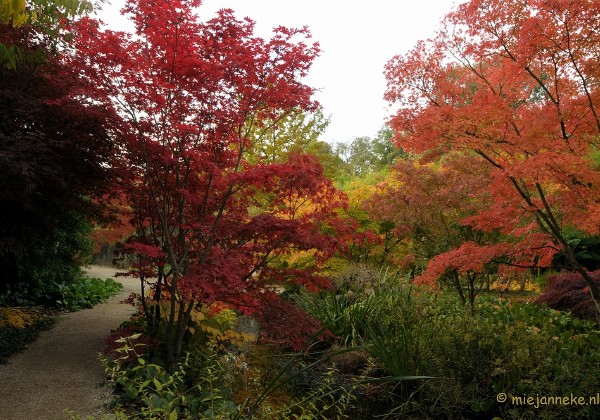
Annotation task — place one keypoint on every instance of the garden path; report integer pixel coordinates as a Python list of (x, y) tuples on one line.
[(60, 371)]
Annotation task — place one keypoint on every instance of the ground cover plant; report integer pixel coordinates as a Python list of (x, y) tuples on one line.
[(19, 326), (86, 292)]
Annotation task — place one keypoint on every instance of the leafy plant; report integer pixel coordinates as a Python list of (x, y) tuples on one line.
[(329, 400), (342, 314), (83, 293), (149, 391)]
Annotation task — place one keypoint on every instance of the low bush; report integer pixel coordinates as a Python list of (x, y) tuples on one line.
[(567, 291), (85, 292), (19, 327), (518, 349), (74, 294), (148, 391)]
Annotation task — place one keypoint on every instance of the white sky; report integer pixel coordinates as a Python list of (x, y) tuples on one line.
[(356, 41)]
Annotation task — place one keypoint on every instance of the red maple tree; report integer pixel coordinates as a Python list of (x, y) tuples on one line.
[(514, 82), (190, 95)]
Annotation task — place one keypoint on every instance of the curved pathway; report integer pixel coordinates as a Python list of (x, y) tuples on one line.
[(60, 371)]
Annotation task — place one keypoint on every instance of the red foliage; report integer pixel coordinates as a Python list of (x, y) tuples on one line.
[(286, 325), (189, 94), (568, 291), (514, 83)]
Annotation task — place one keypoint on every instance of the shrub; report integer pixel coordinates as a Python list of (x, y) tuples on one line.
[(567, 291), (86, 292), (147, 390), (520, 349)]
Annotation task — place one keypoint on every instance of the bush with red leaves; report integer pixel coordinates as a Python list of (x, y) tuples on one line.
[(287, 326), (143, 344), (567, 291)]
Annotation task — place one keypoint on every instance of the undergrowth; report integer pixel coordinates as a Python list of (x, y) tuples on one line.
[(18, 327)]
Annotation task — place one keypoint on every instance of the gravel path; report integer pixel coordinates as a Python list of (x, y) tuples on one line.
[(60, 371)]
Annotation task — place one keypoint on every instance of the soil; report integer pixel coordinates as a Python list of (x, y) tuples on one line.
[(60, 372)]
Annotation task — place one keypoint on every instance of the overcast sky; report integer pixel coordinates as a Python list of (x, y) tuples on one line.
[(356, 38)]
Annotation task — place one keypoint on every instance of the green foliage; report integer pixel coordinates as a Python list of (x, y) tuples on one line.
[(47, 16), (518, 348), (85, 292), (273, 141), (147, 390), (329, 400), (342, 314), (20, 12), (365, 155), (50, 260), (585, 248), (196, 388)]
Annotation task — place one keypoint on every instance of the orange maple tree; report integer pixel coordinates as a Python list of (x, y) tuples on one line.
[(516, 83)]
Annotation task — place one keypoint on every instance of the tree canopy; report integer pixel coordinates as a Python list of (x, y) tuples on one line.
[(54, 153), (196, 100), (515, 83)]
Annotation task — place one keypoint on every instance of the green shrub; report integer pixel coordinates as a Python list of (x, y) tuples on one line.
[(86, 292), (49, 259), (148, 390), (518, 349)]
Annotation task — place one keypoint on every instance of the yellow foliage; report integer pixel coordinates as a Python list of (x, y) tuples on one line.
[(230, 336), (360, 192), (219, 327), (299, 259), (198, 316), (15, 318)]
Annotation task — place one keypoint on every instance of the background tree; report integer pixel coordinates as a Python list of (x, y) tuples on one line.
[(365, 155), (194, 98), (28, 12), (49, 18), (424, 206), (296, 132), (514, 82)]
